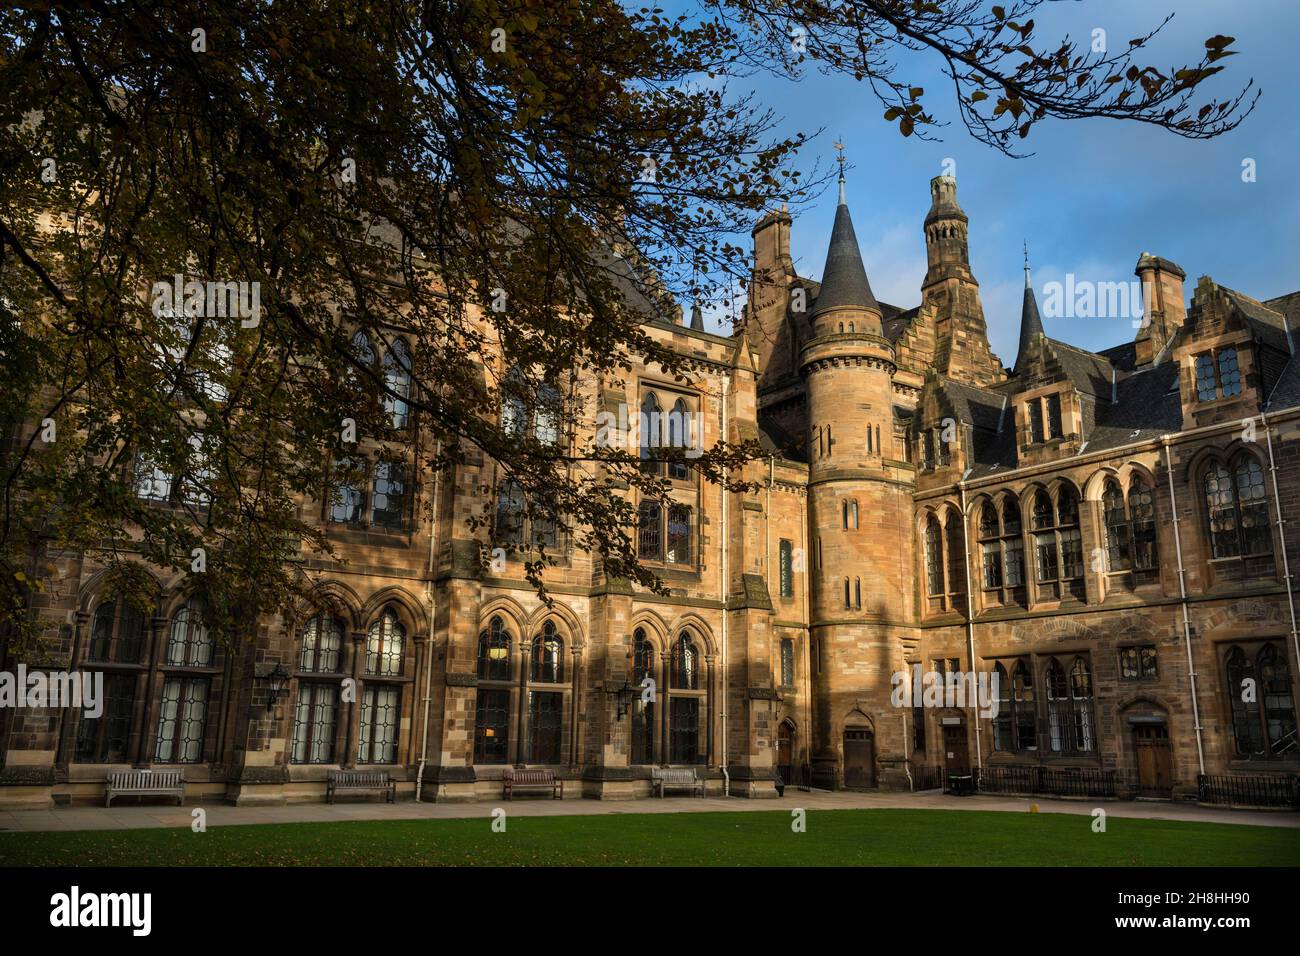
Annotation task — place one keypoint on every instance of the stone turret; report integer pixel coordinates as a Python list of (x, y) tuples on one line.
[(950, 297), (946, 225), (859, 509)]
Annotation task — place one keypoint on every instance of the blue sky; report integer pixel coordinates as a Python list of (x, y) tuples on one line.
[(1094, 195)]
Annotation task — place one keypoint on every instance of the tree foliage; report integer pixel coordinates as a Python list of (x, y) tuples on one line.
[(399, 169)]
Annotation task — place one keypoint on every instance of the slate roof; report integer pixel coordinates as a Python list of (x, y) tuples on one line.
[(776, 440), (1031, 323), (1147, 405), (1089, 372), (974, 405), (894, 321), (1266, 326), (844, 280)]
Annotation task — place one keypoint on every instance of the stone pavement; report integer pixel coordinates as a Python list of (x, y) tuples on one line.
[(139, 817)]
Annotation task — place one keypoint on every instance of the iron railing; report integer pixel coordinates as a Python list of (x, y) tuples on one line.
[(1249, 790), (926, 777), (1049, 781)]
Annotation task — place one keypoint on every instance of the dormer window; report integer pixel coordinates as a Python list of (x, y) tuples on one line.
[(935, 452), (1217, 375), (1036, 422), (1044, 418), (1054, 416)]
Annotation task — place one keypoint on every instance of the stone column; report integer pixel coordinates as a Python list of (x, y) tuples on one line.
[(521, 719), (711, 756), (158, 644), (665, 718), (352, 739)]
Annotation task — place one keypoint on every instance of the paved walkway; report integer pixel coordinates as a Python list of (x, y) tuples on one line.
[(140, 817)]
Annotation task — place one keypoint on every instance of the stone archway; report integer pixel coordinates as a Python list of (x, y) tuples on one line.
[(859, 757), (1145, 725)]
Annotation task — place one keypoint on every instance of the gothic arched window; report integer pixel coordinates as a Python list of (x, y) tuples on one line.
[(546, 417), (322, 646), (643, 711), (384, 645), (680, 438), (1130, 526), (650, 544), (1069, 707), (189, 644), (548, 656), (649, 428), (955, 542), (679, 534), (1024, 707), (397, 384), (117, 632), (1237, 510), (685, 664), (1118, 548), (494, 651), (1263, 709), (510, 514), (933, 556), (1058, 545)]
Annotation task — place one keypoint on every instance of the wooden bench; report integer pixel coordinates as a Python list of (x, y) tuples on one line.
[(533, 780), (677, 778), (373, 780), (144, 783)]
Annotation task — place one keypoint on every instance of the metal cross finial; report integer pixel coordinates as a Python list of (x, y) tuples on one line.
[(1026, 265), (839, 148)]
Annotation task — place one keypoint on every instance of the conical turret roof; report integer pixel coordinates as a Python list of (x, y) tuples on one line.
[(1030, 322), (844, 280)]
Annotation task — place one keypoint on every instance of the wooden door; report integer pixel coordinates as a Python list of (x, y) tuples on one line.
[(1155, 761), (956, 752), (859, 758), (785, 753)]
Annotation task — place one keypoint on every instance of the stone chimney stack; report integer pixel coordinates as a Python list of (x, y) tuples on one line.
[(1164, 310)]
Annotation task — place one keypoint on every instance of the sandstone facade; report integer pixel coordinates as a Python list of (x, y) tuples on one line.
[(1111, 533)]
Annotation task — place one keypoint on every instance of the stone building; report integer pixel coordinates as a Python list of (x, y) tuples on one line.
[(1106, 532)]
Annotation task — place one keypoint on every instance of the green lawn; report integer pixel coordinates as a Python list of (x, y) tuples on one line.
[(753, 838)]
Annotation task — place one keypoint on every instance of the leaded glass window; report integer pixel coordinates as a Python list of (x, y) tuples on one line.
[(545, 726), (189, 644), (182, 720), (548, 656), (322, 646), (105, 739), (380, 712), (117, 633), (494, 651), (685, 664), (492, 726), (315, 723), (384, 646), (388, 503)]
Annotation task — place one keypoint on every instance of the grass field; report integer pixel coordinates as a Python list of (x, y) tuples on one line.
[(833, 838)]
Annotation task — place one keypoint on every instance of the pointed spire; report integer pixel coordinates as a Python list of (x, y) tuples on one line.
[(844, 280), (1031, 325), (697, 317)]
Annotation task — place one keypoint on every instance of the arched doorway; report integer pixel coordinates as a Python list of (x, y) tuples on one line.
[(785, 752), (859, 758), (1155, 760), (1153, 757)]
